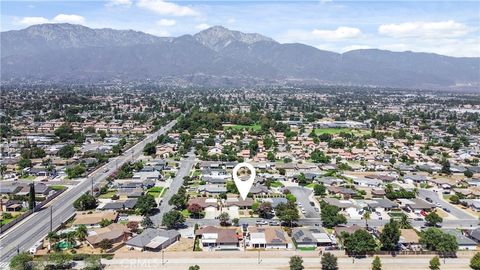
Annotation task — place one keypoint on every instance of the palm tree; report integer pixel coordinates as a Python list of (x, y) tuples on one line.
[(52, 237), (81, 232), (404, 223), (70, 237), (366, 216)]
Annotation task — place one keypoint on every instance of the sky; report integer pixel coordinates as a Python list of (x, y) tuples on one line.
[(444, 27)]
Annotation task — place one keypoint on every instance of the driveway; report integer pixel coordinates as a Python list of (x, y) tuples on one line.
[(302, 194), (458, 213)]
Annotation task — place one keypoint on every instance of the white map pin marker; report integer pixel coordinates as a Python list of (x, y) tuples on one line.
[(244, 186)]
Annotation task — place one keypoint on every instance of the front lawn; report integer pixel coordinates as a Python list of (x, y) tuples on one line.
[(311, 185), (276, 184), (108, 195), (57, 187), (155, 191)]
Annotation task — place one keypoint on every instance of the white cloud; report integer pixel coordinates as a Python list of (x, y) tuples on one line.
[(166, 22), (202, 26), (341, 32), (69, 18), (166, 8), (443, 29), (32, 20), (114, 3)]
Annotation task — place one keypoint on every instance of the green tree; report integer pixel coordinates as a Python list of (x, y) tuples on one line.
[(194, 267), (149, 149), (105, 222), (93, 262), (60, 259), (147, 222), (436, 240), (475, 261), (287, 212), (64, 132), (404, 223), (31, 197), (85, 202), (173, 219), (329, 261), (433, 219), (224, 218), (105, 244), (67, 151), (145, 204), (366, 217), (318, 156), (81, 232), (331, 215), (390, 235), (264, 209), (319, 189), (296, 263), (21, 261), (454, 199), (376, 264), (360, 242), (24, 163), (179, 200), (434, 263), (75, 171)]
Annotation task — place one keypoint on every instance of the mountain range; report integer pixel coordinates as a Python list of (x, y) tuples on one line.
[(215, 56)]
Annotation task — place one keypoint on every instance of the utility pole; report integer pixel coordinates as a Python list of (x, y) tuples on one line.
[(51, 218), (259, 257), (163, 256)]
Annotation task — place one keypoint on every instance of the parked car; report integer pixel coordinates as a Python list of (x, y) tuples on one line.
[(446, 210)]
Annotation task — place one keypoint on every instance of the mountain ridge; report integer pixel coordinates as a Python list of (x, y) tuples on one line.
[(66, 52)]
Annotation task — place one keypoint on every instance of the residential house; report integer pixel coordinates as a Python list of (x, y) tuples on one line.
[(153, 239), (268, 238), (311, 237), (214, 238), (115, 233)]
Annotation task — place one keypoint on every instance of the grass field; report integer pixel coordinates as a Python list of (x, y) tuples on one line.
[(57, 187), (276, 184), (155, 191), (108, 195), (311, 185), (333, 131), (240, 127)]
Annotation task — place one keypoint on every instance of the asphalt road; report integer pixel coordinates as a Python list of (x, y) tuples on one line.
[(271, 260), (186, 165), (424, 193), (25, 234), (451, 224), (303, 194)]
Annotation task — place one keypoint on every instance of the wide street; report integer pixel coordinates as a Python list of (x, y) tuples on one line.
[(24, 235), (274, 259), (186, 165), (451, 224)]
